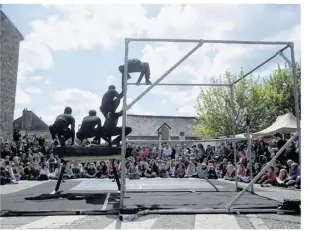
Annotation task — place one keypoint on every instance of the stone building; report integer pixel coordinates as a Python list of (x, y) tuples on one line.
[(160, 127), (10, 39), (31, 123)]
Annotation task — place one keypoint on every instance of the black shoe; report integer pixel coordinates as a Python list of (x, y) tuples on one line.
[(148, 82)]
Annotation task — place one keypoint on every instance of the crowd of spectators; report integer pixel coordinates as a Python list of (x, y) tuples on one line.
[(31, 158)]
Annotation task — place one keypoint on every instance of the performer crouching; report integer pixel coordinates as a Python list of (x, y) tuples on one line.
[(61, 129), (110, 129), (90, 128)]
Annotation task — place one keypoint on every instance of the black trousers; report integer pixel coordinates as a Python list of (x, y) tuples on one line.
[(143, 68), (116, 132), (105, 109), (84, 134), (59, 128)]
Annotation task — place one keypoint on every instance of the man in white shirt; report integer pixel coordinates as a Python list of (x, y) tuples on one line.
[(167, 152)]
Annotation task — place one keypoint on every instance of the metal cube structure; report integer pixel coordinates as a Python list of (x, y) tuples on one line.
[(200, 43)]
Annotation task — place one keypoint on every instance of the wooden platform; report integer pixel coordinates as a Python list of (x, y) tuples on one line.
[(91, 151)]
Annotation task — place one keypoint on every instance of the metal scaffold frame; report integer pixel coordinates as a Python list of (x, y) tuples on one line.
[(200, 43)]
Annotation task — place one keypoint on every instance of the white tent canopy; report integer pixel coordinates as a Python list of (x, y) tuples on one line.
[(285, 124)]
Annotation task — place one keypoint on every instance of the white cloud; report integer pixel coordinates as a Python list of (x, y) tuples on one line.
[(33, 56), (36, 78), (106, 25), (47, 81), (33, 90), (22, 97), (89, 25)]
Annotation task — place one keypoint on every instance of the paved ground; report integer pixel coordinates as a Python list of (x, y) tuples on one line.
[(260, 221)]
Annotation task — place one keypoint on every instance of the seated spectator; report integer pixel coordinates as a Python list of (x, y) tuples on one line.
[(269, 178), (52, 162), (203, 172), (44, 173), (294, 174), (76, 170), (100, 172), (18, 171), (153, 165), (6, 173), (133, 172), (242, 159), (180, 171), (164, 171), (35, 172), (191, 171), (149, 173), (230, 172), (257, 169), (142, 168), (55, 174), (90, 171), (223, 168), (241, 172), (212, 172), (283, 175)]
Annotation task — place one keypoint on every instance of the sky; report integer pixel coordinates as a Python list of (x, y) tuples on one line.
[(71, 53)]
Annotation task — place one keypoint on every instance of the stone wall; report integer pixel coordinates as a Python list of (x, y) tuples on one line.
[(10, 39)]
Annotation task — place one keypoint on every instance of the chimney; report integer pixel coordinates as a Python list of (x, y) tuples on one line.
[(26, 120)]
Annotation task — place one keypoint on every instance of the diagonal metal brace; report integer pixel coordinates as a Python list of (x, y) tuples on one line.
[(285, 58)]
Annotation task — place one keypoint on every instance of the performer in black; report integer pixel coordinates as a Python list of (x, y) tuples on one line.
[(135, 65), (61, 127), (110, 129), (110, 101), (90, 128)]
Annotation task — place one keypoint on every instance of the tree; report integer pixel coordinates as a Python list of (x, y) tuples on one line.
[(214, 109), (278, 93), (262, 102)]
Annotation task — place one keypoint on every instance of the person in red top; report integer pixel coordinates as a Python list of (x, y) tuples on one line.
[(270, 178)]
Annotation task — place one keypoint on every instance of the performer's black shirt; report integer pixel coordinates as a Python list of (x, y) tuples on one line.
[(89, 122), (109, 96), (69, 119)]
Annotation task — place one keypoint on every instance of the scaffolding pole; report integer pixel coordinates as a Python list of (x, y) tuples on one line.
[(124, 124), (260, 65), (296, 98), (208, 41), (188, 141), (185, 84), (234, 133)]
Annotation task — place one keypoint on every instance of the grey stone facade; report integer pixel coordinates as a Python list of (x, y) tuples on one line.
[(10, 39)]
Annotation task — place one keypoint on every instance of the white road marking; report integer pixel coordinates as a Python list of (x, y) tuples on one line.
[(216, 221), (22, 185), (145, 222), (257, 222), (51, 222), (105, 202)]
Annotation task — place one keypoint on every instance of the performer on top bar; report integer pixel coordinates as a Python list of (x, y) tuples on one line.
[(135, 65), (61, 128), (110, 101), (90, 128), (110, 129)]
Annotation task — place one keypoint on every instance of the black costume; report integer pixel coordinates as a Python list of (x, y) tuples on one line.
[(110, 101), (110, 129), (90, 127), (135, 65), (61, 127)]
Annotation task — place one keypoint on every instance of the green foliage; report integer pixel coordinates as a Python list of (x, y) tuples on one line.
[(261, 102)]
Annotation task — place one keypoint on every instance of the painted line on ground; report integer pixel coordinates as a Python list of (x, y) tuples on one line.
[(105, 202), (216, 221)]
